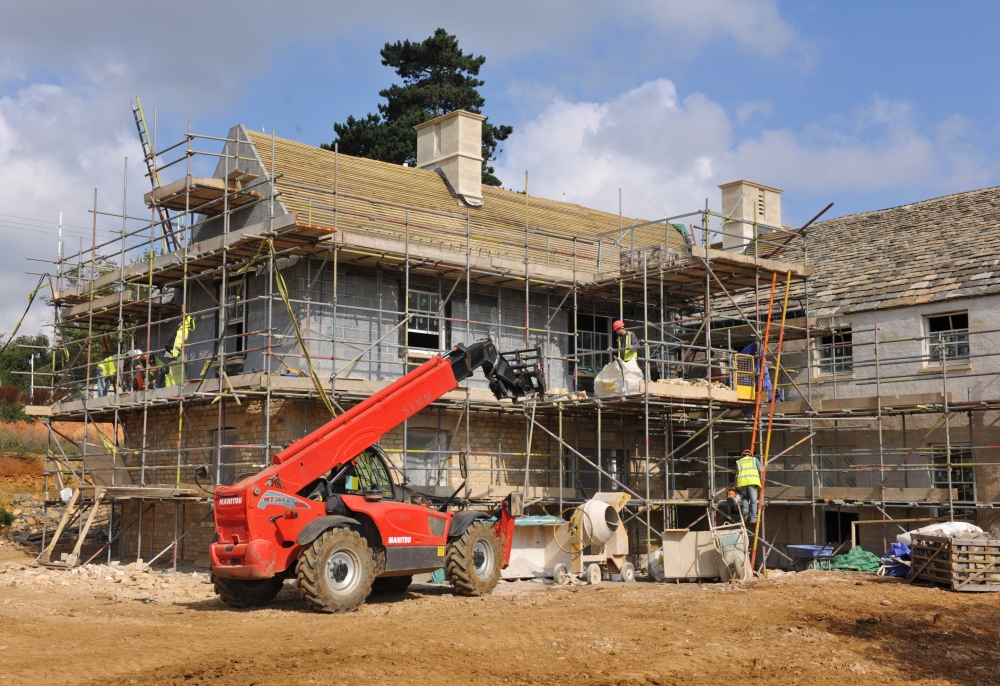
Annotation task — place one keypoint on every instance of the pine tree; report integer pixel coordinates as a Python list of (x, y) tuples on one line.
[(437, 78)]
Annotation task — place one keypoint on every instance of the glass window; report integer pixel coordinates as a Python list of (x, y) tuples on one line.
[(235, 317), (424, 328), (372, 474), (947, 336), (836, 353), (962, 471)]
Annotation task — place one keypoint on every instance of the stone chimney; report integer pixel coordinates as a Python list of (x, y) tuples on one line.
[(759, 203), (452, 146)]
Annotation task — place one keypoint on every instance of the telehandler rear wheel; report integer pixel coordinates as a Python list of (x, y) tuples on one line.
[(336, 572), (247, 593), (473, 560)]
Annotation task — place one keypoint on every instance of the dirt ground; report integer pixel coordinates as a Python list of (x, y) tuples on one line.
[(806, 628)]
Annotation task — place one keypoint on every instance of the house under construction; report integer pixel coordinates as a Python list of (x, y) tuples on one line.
[(294, 281)]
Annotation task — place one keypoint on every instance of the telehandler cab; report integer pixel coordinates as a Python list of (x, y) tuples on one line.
[(328, 512)]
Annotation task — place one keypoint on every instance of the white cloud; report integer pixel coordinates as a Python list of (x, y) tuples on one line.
[(56, 146), (748, 109), (668, 154)]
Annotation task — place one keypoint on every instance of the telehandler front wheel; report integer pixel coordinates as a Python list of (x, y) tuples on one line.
[(247, 593), (335, 573), (473, 560)]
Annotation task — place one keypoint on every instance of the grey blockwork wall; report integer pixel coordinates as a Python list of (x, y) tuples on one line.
[(243, 156), (370, 302)]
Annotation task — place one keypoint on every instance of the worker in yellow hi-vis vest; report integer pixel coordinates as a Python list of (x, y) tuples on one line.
[(748, 485), (624, 342), (107, 374), (172, 356)]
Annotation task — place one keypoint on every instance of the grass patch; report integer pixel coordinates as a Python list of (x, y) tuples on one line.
[(6, 518)]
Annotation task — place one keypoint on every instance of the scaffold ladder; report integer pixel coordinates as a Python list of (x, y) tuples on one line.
[(154, 176)]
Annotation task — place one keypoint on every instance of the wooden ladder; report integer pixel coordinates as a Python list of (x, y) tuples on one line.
[(74, 557)]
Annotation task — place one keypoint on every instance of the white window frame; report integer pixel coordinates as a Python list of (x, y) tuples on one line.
[(832, 364), (421, 320), (232, 313), (955, 339)]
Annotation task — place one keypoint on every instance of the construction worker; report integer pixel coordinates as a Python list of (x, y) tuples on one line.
[(624, 342), (107, 375), (157, 372), (748, 485), (173, 355)]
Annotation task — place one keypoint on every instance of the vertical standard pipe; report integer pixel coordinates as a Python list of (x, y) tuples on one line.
[(645, 336), (600, 462), (269, 318), (881, 444), (561, 458), (527, 280), (708, 366), (947, 423)]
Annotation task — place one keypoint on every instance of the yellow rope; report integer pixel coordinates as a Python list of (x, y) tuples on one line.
[(283, 290)]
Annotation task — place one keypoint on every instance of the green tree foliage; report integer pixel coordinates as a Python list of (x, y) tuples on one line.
[(14, 387), (437, 78)]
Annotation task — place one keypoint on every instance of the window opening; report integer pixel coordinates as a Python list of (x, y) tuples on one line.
[(235, 317), (424, 329), (836, 353), (950, 331)]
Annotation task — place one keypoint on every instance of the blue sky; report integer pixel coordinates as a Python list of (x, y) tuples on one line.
[(868, 105)]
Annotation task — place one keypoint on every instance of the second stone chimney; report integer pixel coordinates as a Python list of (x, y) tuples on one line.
[(752, 203), (452, 146)]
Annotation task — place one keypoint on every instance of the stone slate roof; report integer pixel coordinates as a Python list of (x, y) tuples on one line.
[(934, 250)]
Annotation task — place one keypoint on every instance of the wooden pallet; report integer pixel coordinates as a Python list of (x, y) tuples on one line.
[(965, 564)]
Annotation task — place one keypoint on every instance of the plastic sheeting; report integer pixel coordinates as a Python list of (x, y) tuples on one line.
[(857, 560), (949, 529)]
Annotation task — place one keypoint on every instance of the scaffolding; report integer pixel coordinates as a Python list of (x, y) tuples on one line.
[(273, 261)]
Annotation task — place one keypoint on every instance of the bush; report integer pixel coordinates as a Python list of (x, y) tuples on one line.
[(6, 518)]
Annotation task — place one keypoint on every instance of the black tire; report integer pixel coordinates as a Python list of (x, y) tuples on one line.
[(335, 573), (472, 561), (391, 584), (247, 593)]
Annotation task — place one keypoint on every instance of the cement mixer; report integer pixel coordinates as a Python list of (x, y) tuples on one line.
[(595, 538)]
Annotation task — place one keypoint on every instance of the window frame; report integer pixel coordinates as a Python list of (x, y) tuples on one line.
[(829, 363), (959, 343), (433, 316), (233, 316), (937, 464)]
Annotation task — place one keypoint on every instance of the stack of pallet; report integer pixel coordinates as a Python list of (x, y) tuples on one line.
[(965, 564)]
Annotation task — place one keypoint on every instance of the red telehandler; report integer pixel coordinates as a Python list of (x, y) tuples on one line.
[(329, 513)]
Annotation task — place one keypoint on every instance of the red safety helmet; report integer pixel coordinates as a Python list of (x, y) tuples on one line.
[(618, 324)]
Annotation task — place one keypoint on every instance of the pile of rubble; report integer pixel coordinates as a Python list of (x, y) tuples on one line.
[(116, 581), (29, 514)]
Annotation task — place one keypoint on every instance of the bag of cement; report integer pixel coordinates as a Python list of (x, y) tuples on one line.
[(655, 565), (617, 378), (949, 529)]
